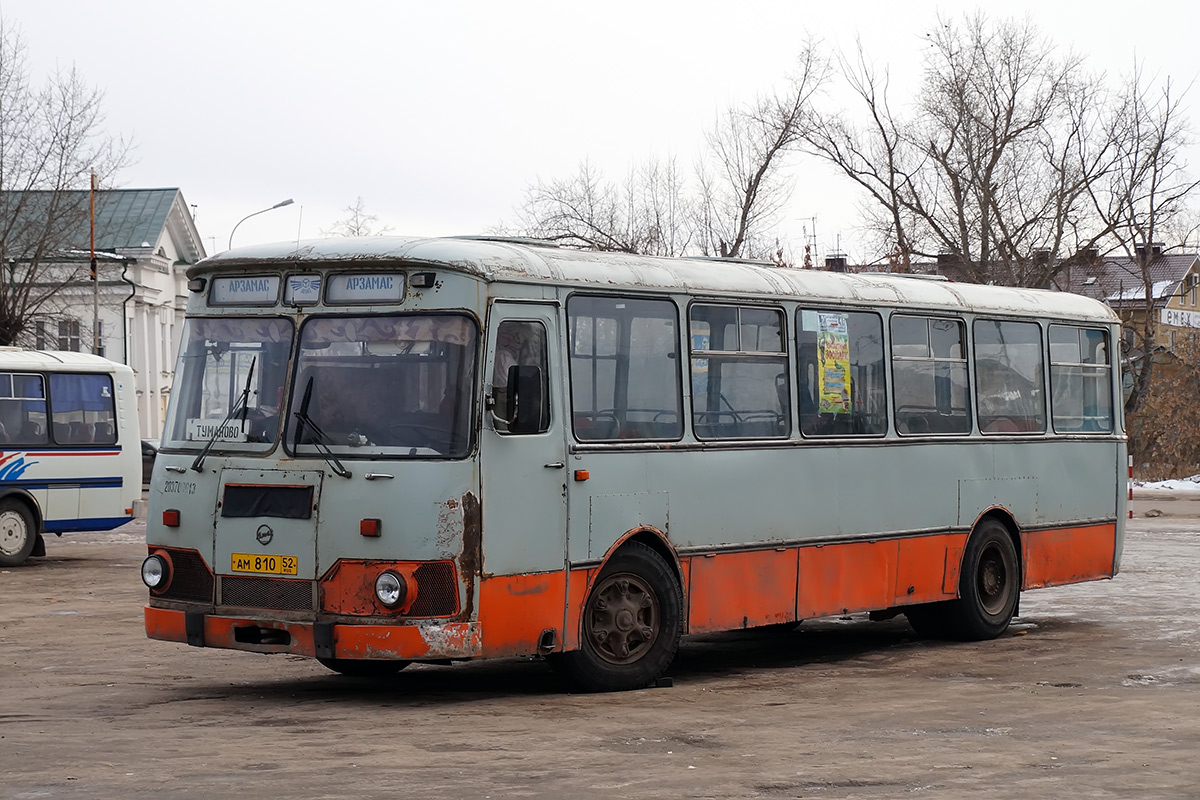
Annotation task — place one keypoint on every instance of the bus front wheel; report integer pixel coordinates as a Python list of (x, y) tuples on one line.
[(632, 624), (17, 535), (362, 667)]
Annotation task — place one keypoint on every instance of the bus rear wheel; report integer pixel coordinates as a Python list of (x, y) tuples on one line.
[(632, 624), (362, 667), (988, 590), (989, 586), (17, 535)]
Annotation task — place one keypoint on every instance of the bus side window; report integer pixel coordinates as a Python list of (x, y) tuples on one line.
[(519, 343)]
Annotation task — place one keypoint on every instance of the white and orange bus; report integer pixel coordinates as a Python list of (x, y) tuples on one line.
[(389, 450), (70, 457)]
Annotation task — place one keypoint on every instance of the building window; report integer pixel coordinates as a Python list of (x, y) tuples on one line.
[(68, 335), (100, 349), (39, 333)]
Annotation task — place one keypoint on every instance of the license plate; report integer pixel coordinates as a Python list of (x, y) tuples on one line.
[(263, 565)]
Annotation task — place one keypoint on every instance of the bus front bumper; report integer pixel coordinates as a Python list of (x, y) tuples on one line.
[(415, 641)]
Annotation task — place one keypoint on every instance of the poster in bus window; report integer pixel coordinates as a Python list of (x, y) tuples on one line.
[(833, 364)]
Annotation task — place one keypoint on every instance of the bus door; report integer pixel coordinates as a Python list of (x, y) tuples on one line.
[(523, 473)]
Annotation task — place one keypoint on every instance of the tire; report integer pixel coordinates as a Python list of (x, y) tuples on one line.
[(928, 620), (989, 586), (363, 668), (632, 623), (17, 533)]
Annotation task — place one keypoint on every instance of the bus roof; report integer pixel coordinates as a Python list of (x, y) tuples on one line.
[(493, 259), (52, 360)]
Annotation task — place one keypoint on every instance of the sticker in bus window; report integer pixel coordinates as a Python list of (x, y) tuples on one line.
[(833, 359), (202, 430)]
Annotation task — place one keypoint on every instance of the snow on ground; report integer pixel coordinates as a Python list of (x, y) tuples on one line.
[(1191, 484)]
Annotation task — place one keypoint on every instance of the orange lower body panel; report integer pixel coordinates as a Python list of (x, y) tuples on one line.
[(722, 591), (1068, 555)]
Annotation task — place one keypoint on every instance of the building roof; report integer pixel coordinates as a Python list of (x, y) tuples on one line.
[(126, 219), (1119, 281)]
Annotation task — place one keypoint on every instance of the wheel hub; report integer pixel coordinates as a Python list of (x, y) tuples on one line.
[(624, 620)]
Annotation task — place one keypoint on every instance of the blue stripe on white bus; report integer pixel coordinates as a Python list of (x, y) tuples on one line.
[(112, 482), (94, 524)]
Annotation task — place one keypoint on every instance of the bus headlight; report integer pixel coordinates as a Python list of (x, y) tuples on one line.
[(391, 589), (156, 572)]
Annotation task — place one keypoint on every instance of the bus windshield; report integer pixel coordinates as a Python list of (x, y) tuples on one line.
[(389, 386), (230, 383)]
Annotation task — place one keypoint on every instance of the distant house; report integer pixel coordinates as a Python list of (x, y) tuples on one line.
[(144, 239), (1174, 298)]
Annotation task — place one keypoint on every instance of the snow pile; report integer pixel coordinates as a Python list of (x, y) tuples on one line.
[(1191, 484)]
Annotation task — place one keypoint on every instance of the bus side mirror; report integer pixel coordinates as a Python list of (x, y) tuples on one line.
[(525, 399)]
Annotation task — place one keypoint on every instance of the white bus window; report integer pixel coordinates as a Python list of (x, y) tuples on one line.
[(842, 385), (740, 386), (1009, 377), (22, 409), (624, 369), (82, 408), (929, 375), (1080, 380)]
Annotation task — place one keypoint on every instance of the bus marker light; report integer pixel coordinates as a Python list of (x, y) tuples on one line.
[(171, 517), (582, 474), (421, 280), (369, 527)]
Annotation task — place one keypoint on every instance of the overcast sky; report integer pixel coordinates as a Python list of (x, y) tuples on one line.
[(439, 115)]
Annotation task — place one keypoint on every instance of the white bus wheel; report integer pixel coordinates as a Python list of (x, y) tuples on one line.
[(17, 536)]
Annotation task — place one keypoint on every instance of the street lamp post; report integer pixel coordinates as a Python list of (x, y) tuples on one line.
[(287, 202)]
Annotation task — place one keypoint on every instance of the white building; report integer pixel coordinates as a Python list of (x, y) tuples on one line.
[(145, 241)]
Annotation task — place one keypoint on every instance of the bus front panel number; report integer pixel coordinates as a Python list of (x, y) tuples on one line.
[(263, 565)]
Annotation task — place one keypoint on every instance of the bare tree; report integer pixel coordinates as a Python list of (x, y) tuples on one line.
[(739, 189), (357, 222), (992, 170), (649, 213), (1144, 197), (51, 142), (742, 185)]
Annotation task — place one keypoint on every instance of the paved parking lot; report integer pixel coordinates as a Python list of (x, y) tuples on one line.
[(1095, 692)]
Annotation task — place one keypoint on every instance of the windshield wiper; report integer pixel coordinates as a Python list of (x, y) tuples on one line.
[(303, 420), (240, 405)]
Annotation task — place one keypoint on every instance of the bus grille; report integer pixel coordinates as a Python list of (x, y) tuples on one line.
[(191, 579), (281, 594), (437, 591)]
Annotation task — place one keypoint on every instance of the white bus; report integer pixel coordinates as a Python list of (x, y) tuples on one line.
[(394, 449), (70, 457)]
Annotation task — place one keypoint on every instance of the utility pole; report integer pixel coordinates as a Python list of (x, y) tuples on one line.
[(95, 280)]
